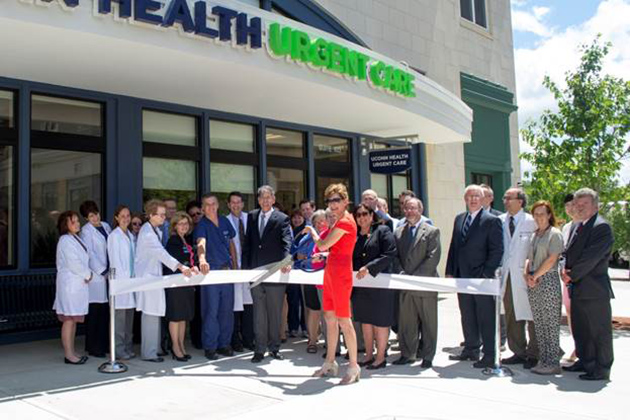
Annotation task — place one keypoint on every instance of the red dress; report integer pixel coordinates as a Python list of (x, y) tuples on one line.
[(338, 272)]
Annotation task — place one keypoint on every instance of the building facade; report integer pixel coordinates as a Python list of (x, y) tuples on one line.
[(125, 100)]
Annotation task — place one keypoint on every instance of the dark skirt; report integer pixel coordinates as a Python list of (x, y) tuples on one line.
[(180, 304), (374, 306), (311, 300)]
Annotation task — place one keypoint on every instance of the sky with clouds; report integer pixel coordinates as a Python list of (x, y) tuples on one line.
[(547, 34)]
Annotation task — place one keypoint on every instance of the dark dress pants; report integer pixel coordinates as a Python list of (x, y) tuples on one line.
[(243, 335), (592, 331), (97, 329), (268, 301), (478, 324), (296, 308), (195, 324)]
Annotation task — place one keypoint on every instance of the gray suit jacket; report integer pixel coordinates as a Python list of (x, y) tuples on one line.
[(423, 257)]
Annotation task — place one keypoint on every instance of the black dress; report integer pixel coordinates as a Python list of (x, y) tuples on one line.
[(376, 251), (180, 301)]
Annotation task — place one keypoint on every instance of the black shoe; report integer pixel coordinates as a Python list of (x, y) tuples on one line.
[(238, 348), (188, 356), (381, 365), (81, 361), (595, 376), (250, 347), (513, 360), (366, 362), (211, 355), (163, 353), (575, 367), (403, 361), (276, 355), (226, 351), (283, 340), (530, 363), (180, 359), (258, 357), (426, 364), (464, 356), (154, 360), (483, 363)]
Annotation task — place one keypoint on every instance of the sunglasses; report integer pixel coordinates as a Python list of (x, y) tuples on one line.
[(362, 213), (333, 200), (136, 223), (195, 213)]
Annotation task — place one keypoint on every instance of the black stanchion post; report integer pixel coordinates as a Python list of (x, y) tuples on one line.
[(497, 370), (112, 366)]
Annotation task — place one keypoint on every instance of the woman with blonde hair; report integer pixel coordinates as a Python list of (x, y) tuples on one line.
[(338, 282)]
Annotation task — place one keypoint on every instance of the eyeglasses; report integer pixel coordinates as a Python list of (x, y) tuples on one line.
[(136, 223), (362, 213), (195, 213), (333, 200)]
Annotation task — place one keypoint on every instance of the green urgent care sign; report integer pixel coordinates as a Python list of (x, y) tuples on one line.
[(284, 41)]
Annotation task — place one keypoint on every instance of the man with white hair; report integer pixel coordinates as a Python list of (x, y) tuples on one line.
[(476, 251), (370, 199), (586, 275)]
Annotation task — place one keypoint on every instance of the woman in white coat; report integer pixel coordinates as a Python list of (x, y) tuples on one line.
[(150, 256), (121, 249), (94, 234), (73, 276)]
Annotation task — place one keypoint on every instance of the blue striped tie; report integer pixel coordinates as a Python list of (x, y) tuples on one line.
[(467, 224)]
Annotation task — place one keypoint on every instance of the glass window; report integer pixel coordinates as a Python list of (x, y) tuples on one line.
[(231, 136), (474, 11), (333, 149), (399, 184), (6, 110), (7, 209), (60, 181), (285, 143), (169, 178), (225, 178), (379, 184), (289, 186), (68, 116), (162, 127), (478, 179)]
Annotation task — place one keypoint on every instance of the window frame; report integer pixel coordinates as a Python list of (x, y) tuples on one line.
[(473, 8), (69, 143), (9, 137)]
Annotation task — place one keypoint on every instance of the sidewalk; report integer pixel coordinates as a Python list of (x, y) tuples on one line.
[(35, 384)]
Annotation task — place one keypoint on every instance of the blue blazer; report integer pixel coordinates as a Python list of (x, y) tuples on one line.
[(273, 246), (480, 254)]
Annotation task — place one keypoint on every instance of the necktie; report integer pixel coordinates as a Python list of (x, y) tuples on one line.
[(412, 237), (576, 232), (467, 224), (261, 227), (512, 227), (241, 231)]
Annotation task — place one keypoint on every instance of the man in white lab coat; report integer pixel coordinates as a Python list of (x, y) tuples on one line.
[(518, 228)]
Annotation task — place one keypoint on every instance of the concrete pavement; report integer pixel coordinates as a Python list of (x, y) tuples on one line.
[(35, 384)]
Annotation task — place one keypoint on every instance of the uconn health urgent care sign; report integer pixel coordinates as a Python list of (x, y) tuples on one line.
[(205, 19), (390, 161)]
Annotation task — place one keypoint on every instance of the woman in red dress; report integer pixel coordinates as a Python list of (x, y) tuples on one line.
[(338, 283)]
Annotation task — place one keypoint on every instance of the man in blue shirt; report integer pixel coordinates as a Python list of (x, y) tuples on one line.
[(216, 251)]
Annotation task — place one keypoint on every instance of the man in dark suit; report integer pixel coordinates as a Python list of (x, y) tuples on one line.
[(476, 251), (268, 241), (586, 275), (418, 245), (488, 200)]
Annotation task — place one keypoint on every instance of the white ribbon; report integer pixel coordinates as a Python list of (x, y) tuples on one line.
[(490, 287)]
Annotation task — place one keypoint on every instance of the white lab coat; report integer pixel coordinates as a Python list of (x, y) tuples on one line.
[(121, 249), (242, 294), (515, 250), (72, 294), (97, 248), (150, 255)]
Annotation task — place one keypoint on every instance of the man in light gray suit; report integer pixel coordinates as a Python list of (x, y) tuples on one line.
[(418, 245)]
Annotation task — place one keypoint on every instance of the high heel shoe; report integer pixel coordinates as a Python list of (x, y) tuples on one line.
[(179, 359), (366, 362), (352, 375), (81, 361), (381, 365), (327, 369), (188, 356)]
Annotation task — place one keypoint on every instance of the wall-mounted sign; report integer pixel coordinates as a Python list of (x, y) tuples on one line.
[(210, 20), (390, 161)]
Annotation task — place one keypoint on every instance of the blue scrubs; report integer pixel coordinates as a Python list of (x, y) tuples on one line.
[(217, 301)]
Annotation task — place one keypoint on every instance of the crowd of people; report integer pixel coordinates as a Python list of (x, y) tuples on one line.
[(540, 266)]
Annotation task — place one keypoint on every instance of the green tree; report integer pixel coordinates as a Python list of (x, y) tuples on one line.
[(583, 142)]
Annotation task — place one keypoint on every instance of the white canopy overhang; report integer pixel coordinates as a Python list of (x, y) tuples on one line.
[(79, 48)]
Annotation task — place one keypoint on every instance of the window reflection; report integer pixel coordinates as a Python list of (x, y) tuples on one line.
[(7, 210), (60, 181), (285, 143), (289, 186), (169, 178), (59, 115)]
